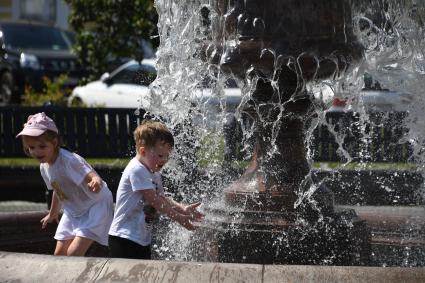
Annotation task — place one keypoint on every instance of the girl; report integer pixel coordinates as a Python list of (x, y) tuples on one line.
[(86, 199)]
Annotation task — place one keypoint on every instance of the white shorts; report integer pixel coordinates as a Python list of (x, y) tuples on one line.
[(94, 224)]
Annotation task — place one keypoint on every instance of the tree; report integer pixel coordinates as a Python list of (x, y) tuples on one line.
[(107, 30)]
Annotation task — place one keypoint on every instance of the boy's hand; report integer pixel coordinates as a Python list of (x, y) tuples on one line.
[(49, 218), (194, 214), (184, 215)]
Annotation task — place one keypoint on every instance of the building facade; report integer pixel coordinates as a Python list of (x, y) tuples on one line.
[(54, 12)]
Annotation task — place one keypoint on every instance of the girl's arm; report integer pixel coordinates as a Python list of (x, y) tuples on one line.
[(94, 182), (53, 214), (164, 206)]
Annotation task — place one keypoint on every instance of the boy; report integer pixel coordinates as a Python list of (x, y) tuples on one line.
[(140, 192)]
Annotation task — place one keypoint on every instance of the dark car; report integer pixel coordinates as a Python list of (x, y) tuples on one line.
[(31, 51)]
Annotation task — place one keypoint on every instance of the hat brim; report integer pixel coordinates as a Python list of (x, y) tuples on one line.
[(31, 132)]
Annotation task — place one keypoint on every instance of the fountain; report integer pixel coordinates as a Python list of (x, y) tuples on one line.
[(268, 222), (277, 51)]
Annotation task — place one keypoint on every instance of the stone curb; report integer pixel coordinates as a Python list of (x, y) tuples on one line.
[(21, 267)]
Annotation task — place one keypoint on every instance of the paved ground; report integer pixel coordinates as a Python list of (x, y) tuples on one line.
[(15, 206)]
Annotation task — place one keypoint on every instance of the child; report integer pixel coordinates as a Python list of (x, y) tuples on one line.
[(87, 201), (140, 193)]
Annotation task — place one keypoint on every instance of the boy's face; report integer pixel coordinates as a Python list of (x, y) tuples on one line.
[(156, 157)]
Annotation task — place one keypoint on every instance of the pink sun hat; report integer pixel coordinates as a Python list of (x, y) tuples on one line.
[(37, 124)]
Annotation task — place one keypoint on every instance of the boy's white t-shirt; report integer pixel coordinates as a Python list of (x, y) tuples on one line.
[(66, 177), (129, 218)]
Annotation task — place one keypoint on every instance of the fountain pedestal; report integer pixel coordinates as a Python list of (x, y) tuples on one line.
[(269, 237), (273, 213), (263, 219)]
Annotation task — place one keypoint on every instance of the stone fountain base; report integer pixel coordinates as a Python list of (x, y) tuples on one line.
[(271, 238), (21, 232), (397, 236), (17, 267)]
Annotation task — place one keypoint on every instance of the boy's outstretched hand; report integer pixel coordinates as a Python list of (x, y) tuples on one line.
[(185, 215), (190, 215), (192, 211)]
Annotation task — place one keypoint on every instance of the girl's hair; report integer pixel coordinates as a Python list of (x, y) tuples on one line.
[(150, 132), (48, 136)]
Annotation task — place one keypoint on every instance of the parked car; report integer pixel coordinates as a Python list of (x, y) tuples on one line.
[(149, 52), (128, 87), (31, 51), (374, 101)]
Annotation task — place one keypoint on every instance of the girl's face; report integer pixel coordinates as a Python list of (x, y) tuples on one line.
[(156, 157), (43, 150)]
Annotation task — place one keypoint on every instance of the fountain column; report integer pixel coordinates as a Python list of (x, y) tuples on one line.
[(277, 46)]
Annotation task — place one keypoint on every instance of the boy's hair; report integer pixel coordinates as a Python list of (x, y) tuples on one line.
[(49, 136), (150, 132)]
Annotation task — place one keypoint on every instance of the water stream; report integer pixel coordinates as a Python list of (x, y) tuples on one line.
[(392, 33)]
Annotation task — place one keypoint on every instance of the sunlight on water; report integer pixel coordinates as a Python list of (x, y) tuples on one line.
[(393, 38)]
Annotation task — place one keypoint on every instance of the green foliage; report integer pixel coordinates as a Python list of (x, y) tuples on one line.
[(211, 150), (122, 162), (53, 92), (30, 162), (110, 29)]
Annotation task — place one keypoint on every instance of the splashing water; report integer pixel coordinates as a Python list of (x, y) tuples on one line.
[(392, 33)]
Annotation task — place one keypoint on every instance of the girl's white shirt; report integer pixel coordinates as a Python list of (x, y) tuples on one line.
[(129, 218), (67, 178)]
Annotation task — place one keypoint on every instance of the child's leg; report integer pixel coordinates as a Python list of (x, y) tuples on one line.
[(79, 246), (62, 247)]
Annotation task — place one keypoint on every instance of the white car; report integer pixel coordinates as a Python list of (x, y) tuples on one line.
[(126, 87)]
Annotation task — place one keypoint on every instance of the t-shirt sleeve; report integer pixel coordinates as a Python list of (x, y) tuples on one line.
[(78, 168), (141, 180), (46, 180)]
